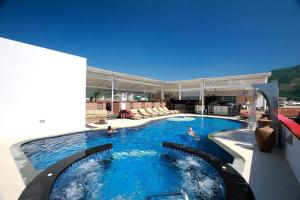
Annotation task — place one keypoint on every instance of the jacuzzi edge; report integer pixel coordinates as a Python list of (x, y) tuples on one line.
[(39, 188), (232, 179)]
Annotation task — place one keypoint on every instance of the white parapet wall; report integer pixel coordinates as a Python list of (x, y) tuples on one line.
[(292, 150), (41, 90)]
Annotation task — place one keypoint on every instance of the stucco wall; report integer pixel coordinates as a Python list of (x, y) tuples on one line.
[(41, 90), (292, 149)]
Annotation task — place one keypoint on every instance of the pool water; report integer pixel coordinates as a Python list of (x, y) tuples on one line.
[(138, 175), (138, 165), (45, 152)]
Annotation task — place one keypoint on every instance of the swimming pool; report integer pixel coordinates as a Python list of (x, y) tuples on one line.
[(138, 166)]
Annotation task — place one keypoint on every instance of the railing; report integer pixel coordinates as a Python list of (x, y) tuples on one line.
[(291, 125), (291, 133), (170, 194)]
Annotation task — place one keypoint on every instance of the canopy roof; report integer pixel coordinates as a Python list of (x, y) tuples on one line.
[(102, 79)]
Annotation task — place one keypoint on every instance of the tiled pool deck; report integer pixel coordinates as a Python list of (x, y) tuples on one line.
[(269, 175)]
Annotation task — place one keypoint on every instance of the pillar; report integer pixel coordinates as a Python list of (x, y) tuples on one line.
[(162, 97), (179, 92), (202, 97), (112, 94)]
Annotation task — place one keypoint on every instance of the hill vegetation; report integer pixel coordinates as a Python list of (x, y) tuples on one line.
[(289, 82)]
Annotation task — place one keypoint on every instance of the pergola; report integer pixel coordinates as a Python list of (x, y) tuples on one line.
[(105, 79)]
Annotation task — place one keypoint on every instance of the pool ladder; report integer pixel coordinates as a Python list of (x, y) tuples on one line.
[(182, 193)]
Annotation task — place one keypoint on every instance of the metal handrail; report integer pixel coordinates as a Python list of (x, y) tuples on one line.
[(185, 195), (182, 192)]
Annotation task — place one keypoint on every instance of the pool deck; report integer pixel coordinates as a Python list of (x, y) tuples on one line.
[(269, 175)]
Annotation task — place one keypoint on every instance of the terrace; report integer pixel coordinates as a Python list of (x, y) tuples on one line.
[(51, 108)]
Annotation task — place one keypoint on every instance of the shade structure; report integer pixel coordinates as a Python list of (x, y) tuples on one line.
[(102, 79)]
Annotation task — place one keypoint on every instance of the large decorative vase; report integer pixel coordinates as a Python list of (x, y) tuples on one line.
[(265, 135)]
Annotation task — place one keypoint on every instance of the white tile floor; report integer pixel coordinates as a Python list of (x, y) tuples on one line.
[(268, 174)]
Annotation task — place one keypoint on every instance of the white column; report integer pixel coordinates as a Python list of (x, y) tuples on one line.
[(252, 116), (264, 100), (202, 97), (179, 92), (112, 94), (162, 97)]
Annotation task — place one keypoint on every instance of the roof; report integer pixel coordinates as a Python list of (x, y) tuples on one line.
[(100, 78)]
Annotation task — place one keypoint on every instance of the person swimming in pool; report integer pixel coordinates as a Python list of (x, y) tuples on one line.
[(110, 130), (192, 133)]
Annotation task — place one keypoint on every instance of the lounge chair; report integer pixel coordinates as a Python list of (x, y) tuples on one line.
[(244, 114), (150, 111), (144, 113), (133, 114), (90, 117), (96, 116), (159, 112), (172, 111), (164, 111)]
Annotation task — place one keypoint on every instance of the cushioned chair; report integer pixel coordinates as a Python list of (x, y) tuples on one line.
[(96, 116), (150, 111), (244, 114), (144, 113), (159, 112), (133, 114), (172, 111), (164, 111)]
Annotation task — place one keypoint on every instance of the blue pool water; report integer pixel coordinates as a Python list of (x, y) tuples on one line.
[(138, 165), (137, 175)]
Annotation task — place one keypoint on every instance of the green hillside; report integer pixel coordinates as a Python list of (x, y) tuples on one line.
[(289, 82)]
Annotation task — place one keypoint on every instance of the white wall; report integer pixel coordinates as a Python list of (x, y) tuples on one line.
[(292, 150), (40, 84)]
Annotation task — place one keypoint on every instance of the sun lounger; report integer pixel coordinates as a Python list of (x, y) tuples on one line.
[(172, 111), (96, 116), (244, 114), (144, 113), (90, 118), (136, 113), (133, 114), (159, 112), (164, 111), (150, 111)]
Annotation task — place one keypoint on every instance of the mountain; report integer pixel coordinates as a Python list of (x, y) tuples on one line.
[(289, 82)]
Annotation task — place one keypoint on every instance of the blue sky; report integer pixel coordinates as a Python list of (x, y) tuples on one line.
[(162, 39)]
